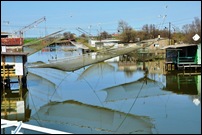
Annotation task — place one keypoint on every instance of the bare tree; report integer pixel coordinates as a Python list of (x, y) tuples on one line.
[(83, 35), (127, 34), (68, 35), (122, 26), (190, 30), (105, 35), (185, 35)]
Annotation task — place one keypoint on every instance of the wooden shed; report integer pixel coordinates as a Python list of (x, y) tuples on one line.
[(13, 65), (183, 56)]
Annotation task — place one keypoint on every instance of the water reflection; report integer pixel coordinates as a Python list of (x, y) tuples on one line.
[(91, 119), (104, 86), (41, 89), (183, 84), (143, 87), (103, 98), (15, 105), (97, 70), (54, 52)]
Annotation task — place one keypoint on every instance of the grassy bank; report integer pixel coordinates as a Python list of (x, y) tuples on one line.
[(27, 40)]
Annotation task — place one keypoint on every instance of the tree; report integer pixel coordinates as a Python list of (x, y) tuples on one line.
[(190, 30), (127, 32), (105, 35), (145, 29), (122, 26), (68, 35), (153, 31), (83, 35), (178, 37), (185, 35), (140, 35), (150, 31)]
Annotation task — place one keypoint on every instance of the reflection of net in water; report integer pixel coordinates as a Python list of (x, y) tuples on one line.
[(115, 125), (98, 119), (131, 90), (43, 87)]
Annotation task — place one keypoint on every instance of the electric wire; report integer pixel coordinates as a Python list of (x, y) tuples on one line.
[(91, 88), (34, 106), (59, 85), (130, 108), (145, 81)]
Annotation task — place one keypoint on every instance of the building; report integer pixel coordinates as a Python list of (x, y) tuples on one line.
[(11, 43), (99, 44), (14, 86), (13, 65), (183, 56)]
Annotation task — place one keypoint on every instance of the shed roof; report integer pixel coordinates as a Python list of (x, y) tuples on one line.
[(178, 46)]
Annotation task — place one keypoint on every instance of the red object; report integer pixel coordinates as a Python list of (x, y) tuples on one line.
[(12, 41)]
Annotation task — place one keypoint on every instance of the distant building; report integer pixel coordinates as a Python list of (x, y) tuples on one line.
[(103, 43)]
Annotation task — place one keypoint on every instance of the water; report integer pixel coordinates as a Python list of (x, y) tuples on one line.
[(113, 97)]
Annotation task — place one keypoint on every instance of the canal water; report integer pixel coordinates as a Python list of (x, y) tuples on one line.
[(112, 97)]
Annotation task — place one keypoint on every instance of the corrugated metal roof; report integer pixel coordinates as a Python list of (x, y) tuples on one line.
[(178, 46)]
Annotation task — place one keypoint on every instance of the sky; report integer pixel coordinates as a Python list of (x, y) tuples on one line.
[(95, 16)]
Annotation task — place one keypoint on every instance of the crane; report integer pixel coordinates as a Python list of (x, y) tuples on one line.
[(34, 24)]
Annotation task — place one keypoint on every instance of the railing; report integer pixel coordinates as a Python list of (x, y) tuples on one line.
[(19, 125), (8, 70), (185, 60)]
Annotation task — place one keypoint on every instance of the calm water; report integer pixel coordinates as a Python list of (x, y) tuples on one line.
[(112, 97)]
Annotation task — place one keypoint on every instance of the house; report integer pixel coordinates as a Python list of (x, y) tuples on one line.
[(11, 43), (13, 69)]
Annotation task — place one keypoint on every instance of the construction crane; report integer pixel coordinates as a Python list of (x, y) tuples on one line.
[(34, 24)]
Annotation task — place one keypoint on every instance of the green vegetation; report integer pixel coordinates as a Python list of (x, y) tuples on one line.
[(28, 40)]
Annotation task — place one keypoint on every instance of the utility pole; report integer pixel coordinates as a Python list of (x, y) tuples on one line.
[(169, 33)]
